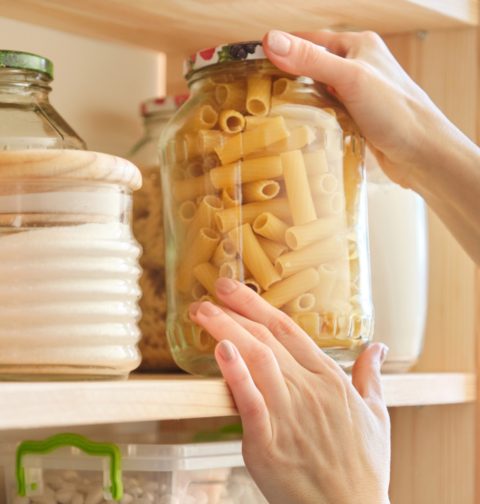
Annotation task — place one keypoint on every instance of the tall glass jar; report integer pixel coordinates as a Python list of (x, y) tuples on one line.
[(27, 119), (68, 266), (399, 259), (148, 231), (263, 182)]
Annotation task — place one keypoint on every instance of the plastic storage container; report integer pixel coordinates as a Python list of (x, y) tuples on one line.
[(78, 471), (68, 266), (27, 119), (399, 258), (148, 230), (263, 182)]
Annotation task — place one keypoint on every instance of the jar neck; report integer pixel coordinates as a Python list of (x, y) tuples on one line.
[(23, 85), (154, 123)]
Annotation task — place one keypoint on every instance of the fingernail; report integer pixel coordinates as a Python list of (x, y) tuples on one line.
[(278, 43), (384, 353), (226, 350), (209, 309), (225, 285), (194, 307)]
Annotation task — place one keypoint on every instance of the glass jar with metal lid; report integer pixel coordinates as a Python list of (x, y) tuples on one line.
[(148, 230), (27, 119), (263, 182)]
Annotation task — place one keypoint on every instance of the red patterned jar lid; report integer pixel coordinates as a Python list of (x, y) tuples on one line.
[(222, 53), (169, 104)]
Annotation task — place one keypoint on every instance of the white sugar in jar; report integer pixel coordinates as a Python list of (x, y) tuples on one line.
[(68, 266)]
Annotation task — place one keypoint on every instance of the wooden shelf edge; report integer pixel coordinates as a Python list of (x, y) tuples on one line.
[(166, 397), (163, 25)]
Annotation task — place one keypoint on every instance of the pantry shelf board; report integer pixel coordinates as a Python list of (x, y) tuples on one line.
[(165, 397), (184, 26)]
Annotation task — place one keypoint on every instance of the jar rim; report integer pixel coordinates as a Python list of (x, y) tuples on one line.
[(238, 51), (26, 61)]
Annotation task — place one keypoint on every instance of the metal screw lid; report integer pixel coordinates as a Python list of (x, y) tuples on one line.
[(222, 53), (26, 61)]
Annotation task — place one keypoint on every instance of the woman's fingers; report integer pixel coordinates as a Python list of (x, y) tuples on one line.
[(250, 402), (259, 332), (259, 358), (366, 377), (302, 57), (247, 303)]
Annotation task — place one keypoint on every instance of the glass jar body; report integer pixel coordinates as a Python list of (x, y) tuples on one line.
[(148, 231), (27, 119), (263, 182), (68, 281)]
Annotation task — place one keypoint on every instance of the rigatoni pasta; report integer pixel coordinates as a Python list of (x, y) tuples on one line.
[(253, 255), (275, 183)]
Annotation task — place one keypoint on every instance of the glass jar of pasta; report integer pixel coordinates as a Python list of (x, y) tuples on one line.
[(263, 182), (148, 231)]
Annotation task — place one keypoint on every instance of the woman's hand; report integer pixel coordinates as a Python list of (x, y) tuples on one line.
[(415, 144), (393, 113), (310, 436)]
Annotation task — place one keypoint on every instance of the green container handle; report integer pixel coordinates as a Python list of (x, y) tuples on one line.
[(82, 443)]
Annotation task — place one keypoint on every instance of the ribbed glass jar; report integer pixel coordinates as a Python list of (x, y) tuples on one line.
[(68, 266), (263, 181)]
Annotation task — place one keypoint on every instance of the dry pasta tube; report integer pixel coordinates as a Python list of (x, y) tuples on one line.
[(234, 147), (310, 323), (260, 190), (253, 256), (225, 252), (191, 189), (302, 303), (207, 275), (254, 285), (231, 96), (255, 121), (330, 204), (313, 255), (290, 288), (315, 162), (191, 145), (202, 118), (323, 291), (299, 138), (298, 191), (186, 212), (207, 140), (231, 121), (273, 249), (194, 170), (231, 197), (227, 219), (210, 162), (198, 291), (285, 88), (202, 338), (203, 218), (180, 149), (268, 226), (242, 172), (299, 237), (235, 270), (259, 89), (323, 184), (202, 250)]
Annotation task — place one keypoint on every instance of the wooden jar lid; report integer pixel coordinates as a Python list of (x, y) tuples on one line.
[(38, 164)]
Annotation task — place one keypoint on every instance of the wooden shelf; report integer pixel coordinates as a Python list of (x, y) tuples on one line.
[(163, 397), (184, 26)]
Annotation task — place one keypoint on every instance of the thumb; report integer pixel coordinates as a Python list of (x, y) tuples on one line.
[(366, 377), (297, 56)]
